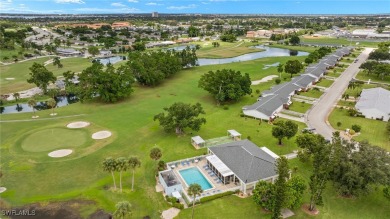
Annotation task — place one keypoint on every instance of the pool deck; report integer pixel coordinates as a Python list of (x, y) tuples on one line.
[(217, 187)]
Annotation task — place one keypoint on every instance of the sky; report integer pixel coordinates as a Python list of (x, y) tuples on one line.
[(197, 6)]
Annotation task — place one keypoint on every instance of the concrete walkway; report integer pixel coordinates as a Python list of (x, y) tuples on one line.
[(317, 116)]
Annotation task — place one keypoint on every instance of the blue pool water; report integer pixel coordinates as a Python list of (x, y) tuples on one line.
[(193, 175)]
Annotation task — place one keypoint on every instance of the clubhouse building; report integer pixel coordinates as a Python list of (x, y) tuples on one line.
[(237, 165)]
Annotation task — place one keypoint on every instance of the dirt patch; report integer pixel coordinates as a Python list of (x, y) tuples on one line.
[(305, 208), (55, 210), (2, 189)]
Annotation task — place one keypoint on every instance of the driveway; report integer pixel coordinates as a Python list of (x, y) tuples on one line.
[(317, 117)]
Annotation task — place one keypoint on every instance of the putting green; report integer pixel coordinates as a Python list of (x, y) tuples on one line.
[(54, 138)]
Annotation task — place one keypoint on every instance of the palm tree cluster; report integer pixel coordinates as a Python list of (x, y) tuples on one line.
[(120, 165)]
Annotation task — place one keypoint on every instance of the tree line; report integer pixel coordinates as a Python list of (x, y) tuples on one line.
[(354, 169)]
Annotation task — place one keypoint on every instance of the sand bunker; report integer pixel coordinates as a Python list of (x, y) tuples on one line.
[(9, 79), (2, 189), (77, 125), (101, 135), (265, 79), (170, 213), (60, 153)]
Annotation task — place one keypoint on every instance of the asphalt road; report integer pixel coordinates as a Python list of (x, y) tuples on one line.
[(317, 117)]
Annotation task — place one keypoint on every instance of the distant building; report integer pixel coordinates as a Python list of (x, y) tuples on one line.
[(374, 103), (155, 14), (68, 52)]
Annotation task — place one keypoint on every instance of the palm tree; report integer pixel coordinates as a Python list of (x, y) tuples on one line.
[(194, 190), (280, 70), (123, 208), (121, 166), (52, 103), (133, 163), (155, 153), (110, 165), (32, 103), (16, 96)]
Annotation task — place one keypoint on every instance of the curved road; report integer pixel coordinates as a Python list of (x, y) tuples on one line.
[(317, 117)]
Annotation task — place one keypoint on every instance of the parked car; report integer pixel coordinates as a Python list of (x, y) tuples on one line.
[(308, 130)]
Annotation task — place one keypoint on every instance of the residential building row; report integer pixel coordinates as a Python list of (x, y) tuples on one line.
[(272, 101)]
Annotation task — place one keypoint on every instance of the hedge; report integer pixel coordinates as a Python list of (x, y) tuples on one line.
[(209, 198)]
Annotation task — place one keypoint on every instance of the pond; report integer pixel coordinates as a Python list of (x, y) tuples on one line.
[(268, 52), (24, 108), (112, 59), (180, 48)]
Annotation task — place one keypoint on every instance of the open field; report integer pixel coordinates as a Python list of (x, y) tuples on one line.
[(16, 52), (325, 83), (225, 50), (299, 107), (70, 64), (372, 130)]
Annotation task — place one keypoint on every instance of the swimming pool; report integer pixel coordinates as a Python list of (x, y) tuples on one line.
[(193, 175)]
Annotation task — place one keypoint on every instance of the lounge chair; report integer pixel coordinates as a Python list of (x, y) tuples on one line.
[(188, 163), (183, 163), (177, 164)]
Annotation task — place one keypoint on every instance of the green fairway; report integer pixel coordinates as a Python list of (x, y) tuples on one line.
[(225, 49), (298, 48), (299, 107), (373, 131), (132, 122), (341, 41), (134, 133), (325, 83), (312, 93), (54, 138), (19, 73), (70, 64)]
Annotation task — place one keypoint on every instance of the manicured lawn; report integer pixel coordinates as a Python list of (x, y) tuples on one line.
[(312, 93), (347, 60), (299, 107), (225, 49), (346, 103), (325, 83), (354, 92), (372, 130), (20, 72), (136, 133), (362, 75), (10, 53), (54, 138)]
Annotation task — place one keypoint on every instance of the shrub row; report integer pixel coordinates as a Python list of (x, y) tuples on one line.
[(209, 198)]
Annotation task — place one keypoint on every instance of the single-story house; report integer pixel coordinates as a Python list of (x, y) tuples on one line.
[(374, 103)]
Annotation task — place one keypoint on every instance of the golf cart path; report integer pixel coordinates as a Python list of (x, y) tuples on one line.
[(317, 117)]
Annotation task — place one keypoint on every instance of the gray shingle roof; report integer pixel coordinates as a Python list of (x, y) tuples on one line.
[(248, 162), (303, 80), (268, 105), (377, 100)]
